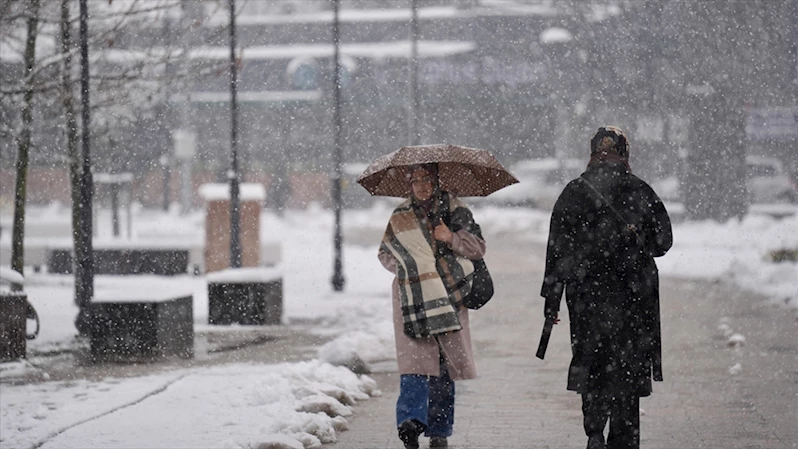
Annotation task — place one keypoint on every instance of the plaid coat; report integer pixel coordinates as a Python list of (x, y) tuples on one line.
[(421, 355)]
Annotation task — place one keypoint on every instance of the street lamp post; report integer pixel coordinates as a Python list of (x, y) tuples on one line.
[(233, 173), (84, 251), (338, 276), (167, 172)]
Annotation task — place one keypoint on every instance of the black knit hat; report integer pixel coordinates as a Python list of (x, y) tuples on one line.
[(610, 139)]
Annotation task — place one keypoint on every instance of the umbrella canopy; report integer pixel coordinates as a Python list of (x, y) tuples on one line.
[(461, 171)]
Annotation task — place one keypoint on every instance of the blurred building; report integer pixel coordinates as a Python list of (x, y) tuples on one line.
[(485, 79), (526, 79)]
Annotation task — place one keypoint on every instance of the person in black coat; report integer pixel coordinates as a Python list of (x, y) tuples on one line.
[(607, 227)]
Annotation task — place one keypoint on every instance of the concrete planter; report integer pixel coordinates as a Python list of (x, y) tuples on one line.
[(137, 330), (245, 296)]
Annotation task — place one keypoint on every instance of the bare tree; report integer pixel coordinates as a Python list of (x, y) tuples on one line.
[(139, 54), (23, 144)]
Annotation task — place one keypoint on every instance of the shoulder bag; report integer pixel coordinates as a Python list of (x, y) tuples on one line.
[(482, 284)]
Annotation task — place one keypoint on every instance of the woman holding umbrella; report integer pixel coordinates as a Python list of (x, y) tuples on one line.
[(429, 243)]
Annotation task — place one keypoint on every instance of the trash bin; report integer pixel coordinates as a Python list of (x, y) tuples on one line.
[(13, 307)]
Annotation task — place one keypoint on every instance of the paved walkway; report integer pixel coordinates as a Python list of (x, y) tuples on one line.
[(521, 402)]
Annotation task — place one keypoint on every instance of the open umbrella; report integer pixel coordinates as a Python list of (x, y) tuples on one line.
[(461, 171)]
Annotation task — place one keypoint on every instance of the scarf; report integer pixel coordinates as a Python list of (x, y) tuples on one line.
[(432, 279)]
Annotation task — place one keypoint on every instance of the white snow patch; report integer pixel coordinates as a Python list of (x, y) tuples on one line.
[(555, 35), (248, 191), (9, 276), (737, 252), (17, 368), (725, 329), (736, 341)]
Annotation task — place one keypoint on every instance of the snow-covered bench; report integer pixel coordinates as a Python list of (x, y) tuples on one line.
[(141, 326), (245, 296)]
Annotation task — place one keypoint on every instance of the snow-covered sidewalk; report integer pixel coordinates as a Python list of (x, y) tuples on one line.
[(304, 404)]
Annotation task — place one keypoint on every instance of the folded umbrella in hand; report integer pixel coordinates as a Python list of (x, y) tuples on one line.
[(545, 333)]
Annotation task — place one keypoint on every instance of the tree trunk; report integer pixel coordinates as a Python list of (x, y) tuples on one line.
[(71, 131), (24, 143)]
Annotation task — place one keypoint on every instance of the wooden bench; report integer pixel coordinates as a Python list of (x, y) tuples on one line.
[(126, 327), (245, 296)]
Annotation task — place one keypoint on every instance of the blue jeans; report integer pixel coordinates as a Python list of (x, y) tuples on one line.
[(429, 400)]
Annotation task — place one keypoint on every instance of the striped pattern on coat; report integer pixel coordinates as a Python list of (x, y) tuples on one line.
[(432, 279)]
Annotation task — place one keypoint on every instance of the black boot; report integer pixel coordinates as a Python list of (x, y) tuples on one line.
[(438, 442), (409, 432)]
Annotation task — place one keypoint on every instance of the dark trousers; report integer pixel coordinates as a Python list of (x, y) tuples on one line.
[(625, 427), (429, 400)]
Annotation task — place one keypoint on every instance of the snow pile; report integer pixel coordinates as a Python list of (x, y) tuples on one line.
[(356, 349), (20, 368), (236, 406), (736, 341), (724, 327), (739, 252)]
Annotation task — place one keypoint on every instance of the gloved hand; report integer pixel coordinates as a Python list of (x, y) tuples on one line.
[(551, 315)]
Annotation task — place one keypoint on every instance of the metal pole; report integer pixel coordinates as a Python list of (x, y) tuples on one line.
[(164, 159), (233, 174), (413, 77), (128, 208), (338, 276), (115, 207), (167, 177), (84, 252)]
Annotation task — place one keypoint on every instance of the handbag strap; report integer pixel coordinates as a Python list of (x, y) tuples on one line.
[(630, 227)]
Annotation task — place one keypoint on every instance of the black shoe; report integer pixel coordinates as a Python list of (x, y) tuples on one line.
[(438, 442), (596, 442), (409, 432)]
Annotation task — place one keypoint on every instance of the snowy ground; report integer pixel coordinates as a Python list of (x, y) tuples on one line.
[(301, 404)]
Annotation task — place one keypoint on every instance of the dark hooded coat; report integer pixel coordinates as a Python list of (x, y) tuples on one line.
[(610, 278)]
